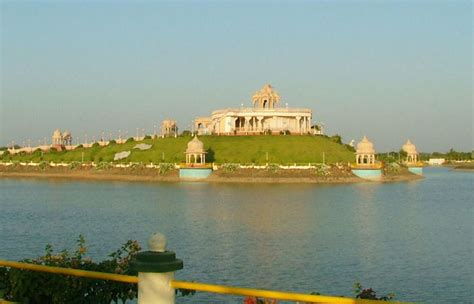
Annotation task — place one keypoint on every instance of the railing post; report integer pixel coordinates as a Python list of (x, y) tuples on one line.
[(156, 269)]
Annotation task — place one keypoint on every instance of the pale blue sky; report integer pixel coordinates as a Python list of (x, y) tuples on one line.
[(390, 70)]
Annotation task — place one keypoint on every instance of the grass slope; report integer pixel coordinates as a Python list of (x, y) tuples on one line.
[(221, 149)]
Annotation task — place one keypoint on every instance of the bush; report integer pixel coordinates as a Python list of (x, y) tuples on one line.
[(103, 166), (273, 168), (73, 165), (229, 167), (130, 139), (322, 169), (147, 137), (186, 133), (370, 294), (165, 168), (43, 165), (336, 138), (112, 142), (38, 287)]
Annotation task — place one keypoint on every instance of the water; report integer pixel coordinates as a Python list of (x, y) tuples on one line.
[(413, 238)]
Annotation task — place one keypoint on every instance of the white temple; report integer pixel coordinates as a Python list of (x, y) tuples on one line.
[(264, 117)]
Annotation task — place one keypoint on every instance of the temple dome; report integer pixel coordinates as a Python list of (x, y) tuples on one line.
[(365, 147), (267, 97), (195, 146), (57, 134), (66, 134), (409, 148)]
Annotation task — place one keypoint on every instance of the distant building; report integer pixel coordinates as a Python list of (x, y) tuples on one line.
[(264, 117), (169, 127), (412, 154), (60, 141), (436, 161)]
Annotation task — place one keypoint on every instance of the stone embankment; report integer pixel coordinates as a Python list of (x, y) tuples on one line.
[(309, 173)]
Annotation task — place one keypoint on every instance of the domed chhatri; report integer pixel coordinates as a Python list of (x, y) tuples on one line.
[(195, 146), (195, 167), (365, 153), (414, 166), (59, 140), (412, 154), (366, 166)]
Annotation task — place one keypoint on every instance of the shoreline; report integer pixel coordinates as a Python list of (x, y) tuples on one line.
[(90, 175)]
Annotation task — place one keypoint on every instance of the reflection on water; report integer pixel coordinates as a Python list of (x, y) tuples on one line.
[(413, 238)]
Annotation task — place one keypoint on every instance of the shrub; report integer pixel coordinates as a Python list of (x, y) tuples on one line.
[(229, 167), (165, 168), (43, 165), (73, 165), (112, 142), (103, 166), (322, 169), (186, 133), (370, 294), (134, 166), (336, 138), (147, 137), (38, 287), (130, 139), (273, 168)]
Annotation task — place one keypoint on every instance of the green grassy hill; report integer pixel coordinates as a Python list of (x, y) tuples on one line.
[(221, 149)]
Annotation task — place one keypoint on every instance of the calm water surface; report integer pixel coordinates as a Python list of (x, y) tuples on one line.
[(414, 238)]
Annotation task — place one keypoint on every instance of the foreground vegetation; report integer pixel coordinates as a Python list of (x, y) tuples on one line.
[(40, 287), (220, 149)]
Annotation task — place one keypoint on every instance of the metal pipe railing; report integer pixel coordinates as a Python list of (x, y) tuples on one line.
[(220, 289)]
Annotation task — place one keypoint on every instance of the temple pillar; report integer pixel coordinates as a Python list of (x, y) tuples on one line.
[(247, 123), (260, 123)]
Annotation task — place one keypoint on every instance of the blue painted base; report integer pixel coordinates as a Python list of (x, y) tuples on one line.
[(416, 170), (372, 174), (194, 173)]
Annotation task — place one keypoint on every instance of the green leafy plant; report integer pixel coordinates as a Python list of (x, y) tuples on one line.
[(73, 165), (40, 287), (273, 168), (103, 166), (229, 167), (43, 165), (370, 294), (165, 168), (322, 169)]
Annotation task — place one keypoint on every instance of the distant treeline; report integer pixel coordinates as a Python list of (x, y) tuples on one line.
[(451, 155)]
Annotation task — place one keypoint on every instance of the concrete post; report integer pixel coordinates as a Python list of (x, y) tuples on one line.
[(156, 269)]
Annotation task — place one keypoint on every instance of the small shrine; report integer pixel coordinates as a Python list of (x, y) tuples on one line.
[(195, 153), (412, 161), (195, 166), (366, 166)]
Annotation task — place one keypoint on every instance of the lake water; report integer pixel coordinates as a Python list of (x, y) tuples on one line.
[(412, 238)]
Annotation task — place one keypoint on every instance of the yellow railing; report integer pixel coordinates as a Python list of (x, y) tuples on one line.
[(73, 272), (269, 294)]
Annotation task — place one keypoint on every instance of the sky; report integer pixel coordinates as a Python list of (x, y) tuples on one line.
[(391, 70)]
